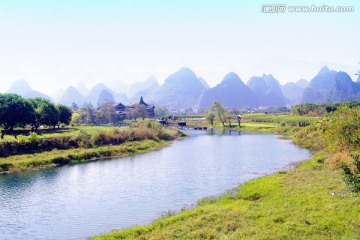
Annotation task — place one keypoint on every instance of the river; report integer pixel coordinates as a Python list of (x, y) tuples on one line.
[(82, 200)]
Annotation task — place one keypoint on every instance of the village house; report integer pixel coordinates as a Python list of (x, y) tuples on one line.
[(125, 112)]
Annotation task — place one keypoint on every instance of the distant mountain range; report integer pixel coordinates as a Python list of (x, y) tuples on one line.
[(231, 92), (23, 88), (330, 86), (184, 90)]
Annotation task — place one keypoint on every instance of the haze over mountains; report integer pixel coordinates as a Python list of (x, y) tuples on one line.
[(184, 90)]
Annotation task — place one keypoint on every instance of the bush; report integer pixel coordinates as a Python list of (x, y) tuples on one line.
[(352, 175), (61, 160), (5, 166)]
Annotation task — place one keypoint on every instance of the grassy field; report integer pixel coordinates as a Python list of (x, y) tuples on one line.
[(293, 204), (80, 144)]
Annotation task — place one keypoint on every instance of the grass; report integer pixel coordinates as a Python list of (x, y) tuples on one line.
[(293, 204), (81, 144), (58, 157), (308, 202)]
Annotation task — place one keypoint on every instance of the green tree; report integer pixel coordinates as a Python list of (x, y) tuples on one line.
[(45, 113), (210, 116), (49, 115), (342, 129), (220, 112), (161, 111), (65, 114), (106, 113), (90, 113), (15, 111)]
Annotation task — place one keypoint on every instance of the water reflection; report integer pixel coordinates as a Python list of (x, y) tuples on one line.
[(73, 202)]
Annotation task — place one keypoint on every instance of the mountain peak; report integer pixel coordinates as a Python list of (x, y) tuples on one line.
[(20, 87), (231, 77), (152, 80), (324, 70), (185, 70)]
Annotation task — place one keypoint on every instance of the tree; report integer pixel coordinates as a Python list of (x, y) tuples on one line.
[(106, 113), (90, 113), (49, 115), (210, 116), (65, 114), (45, 113), (74, 107), (139, 111), (161, 111), (220, 112), (15, 111)]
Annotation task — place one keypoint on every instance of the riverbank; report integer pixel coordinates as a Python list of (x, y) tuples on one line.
[(33, 152), (292, 204), (30, 162), (310, 201)]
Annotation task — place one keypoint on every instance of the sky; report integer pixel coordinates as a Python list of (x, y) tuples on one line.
[(56, 43)]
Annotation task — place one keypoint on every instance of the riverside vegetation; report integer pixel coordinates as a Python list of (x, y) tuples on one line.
[(314, 199), (80, 144)]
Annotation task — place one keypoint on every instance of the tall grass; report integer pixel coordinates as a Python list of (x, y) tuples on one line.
[(82, 143), (61, 157), (85, 137)]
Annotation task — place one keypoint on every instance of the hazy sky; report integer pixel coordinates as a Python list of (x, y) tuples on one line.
[(55, 43)]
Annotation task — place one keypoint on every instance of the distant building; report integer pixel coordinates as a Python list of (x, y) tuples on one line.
[(124, 112)]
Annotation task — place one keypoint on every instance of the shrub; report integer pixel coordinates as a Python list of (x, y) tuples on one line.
[(61, 160), (352, 176), (5, 166)]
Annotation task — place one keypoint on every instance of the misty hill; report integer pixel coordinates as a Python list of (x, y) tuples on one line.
[(319, 86), (23, 88), (231, 92), (330, 86), (267, 91), (302, 83), (105, 96), (343, 89), (82, 89), (293, 92), (205, 84), (19, 87), (72, 95), (119, 87), (147, 86), (35, 94), (95, 91), (180, 90)]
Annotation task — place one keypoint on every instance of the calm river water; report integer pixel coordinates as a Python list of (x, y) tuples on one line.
[(77, 201)]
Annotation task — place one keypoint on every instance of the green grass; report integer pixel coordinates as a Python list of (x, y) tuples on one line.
[(293, 204), (55, 157), (81, 144), (281, 119)]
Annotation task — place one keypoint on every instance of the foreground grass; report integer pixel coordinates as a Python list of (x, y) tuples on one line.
[(293, 204), (27, 162)]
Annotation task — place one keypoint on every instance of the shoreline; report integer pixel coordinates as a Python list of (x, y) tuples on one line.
[(282, 188), (92, 154)]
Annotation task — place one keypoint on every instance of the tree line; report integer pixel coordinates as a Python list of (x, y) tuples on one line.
[(316, 110), (16, 111)]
